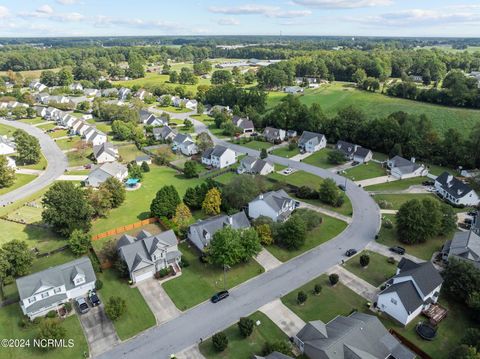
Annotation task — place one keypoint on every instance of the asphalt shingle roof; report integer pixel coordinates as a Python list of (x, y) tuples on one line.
[(453, 185)]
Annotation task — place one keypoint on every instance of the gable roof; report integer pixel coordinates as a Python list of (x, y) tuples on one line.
[(453, 186), (107, 148), (163, 132), (465, 245), (403, 165), (425, 275), (243, 123), (308, 136), (275, 199), (271, 132), (216, 151)]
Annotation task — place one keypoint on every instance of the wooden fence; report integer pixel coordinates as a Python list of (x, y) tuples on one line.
[(125, 228)]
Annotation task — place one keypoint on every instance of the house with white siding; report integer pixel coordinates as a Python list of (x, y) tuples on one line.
[(402, 168), (455, 190), (219, 157), (312, 142), (276, 205)]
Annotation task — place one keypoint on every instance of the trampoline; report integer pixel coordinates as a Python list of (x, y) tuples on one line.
[(426, 331), (131, 182)]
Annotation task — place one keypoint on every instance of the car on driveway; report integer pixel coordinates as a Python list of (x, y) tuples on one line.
[(287, 171), (398, 250), (472, 213), (351, 252), (93, 298), (220, 296), (82, 305)]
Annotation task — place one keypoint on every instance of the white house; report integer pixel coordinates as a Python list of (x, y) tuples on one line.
[(456, 191), (105, 152), (184, 144), (44, 291), (76, 86), (402, 168), (37, 86), (312, 142), (219, 157), (353, 152), (253, 165), (164, 133), (7, 146), (11, 163), (276, 205), (293, 89), (413, 289), (97, 138), (104, 172), (244, 124)]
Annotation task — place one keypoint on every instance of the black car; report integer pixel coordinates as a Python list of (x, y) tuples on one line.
[(351, 252), (428, 183), (93, 298), (219, 296), (472, 213), (342, 187), (398, 250)]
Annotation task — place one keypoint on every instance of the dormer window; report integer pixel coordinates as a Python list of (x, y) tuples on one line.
[(45, 295), (32, 299), (79, 280), (57, 290)]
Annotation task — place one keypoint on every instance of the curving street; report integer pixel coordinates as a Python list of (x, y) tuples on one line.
[(56, 159), (207, 318)]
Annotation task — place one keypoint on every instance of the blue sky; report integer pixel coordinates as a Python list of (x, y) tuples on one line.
[(263, 17)]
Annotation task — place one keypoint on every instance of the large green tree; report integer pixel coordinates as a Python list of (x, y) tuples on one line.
[(19, 258), (165, 202), (28, 148), (329, 193), (116, 189), (7, 174), (292, 233)]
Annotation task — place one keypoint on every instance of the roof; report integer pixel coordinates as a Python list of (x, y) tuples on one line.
[(143, 158), (105, 171), (308, 136), (6, 141), (362, 152), (275, 199), (425, 275), (180, 138), (243, 123), (359, 336), (403, 165), (55, 277), (465, 245), (274, 355), (163, 132), (271, 132), (408, 295), (107, 148), (453, 186), (216, 151)]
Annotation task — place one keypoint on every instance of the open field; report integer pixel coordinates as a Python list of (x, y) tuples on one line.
[(20, 180), (298, 179), (6, 130), (378, 270), (396, 200), (257, 145), (129, 152), (336, 96)]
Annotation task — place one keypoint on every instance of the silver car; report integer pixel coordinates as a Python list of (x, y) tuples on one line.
[(82, 305)]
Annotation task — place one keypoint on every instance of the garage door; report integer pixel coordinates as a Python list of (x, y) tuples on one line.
[(139, 276)]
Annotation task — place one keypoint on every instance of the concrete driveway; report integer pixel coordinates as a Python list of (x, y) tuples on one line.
[(283, 317), (190, 353), (267, 260), (357, 284), (158, 300), (99, 331)]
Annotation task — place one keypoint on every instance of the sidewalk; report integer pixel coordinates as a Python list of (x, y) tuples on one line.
[(326, 211), (283, 317), (388, 211), (301, 156), (26, 171), (267, 260), (72, 178), (358, 285)]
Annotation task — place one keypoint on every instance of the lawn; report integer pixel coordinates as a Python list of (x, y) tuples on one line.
[(226, 178), (298, 179), (103, 126), (257, 145), (399, 185), (138, 317), (396, 200), (328, 229), (173, 109), (378, 270), (345, 209), (337, 96), (67, 143), (47, 126), (36, 237), (20, 180), (7, 130), (53, 260), (41, 165), (33, 121), (202, 117), (200, 281), (365, 171), (285, 152), (79, 158), (58, 133), (319, 159), (332, 301), (9, 328), (129, 152), (389, 237), (244, 348)]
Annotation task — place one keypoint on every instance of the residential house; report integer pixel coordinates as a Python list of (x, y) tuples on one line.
[(255, 166), (414, 288), (11, 163), (7, 146), (143, 158), (291, 134), (123, 93), (455, 190), (276, 205), (106, 152), (149, 119), (146, 254), (402, 168), (42, 97), (41, 111), (355, 153), (185, 103), (244, 124), (141, 94), (44, 291), (104, 172), (76, 86), (464, 246), (164, 133), (219, 157), (37, 86), (201, 233), (312, 142), (274, 135), (111, 92), (219, 108), (357, 336), (184, 144), (293, 90), (475, 75), (416, 78), (91, 92)]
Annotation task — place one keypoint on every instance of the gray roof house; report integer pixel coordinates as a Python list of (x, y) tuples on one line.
[(357, 336), (201, 233), (105, 171), (106, 152), (147, 254), (464, 246), (455, 190), (150, 119), (253, 165), (402, 168), (354, 152), (244, 123), (272, 134), (44, 291), (164, 133), (7, 146), (312, 141), (414, 288), (276, 205), (184, 144), (219, 157)]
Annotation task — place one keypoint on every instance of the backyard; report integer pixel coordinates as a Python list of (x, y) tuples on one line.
[(378, 270), (399, 185)]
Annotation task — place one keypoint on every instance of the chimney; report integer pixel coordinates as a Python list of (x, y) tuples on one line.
[(412, 160), (449, 178), (260, 196)]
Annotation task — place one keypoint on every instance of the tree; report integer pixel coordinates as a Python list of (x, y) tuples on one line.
[(250, 243), (135, 171), (116, 189), (165, 202), (292, 233), (471, 337), (333, 278), (66, 208), (204, 141), (301, 297), (231, 246), (220, 341), (240, 191), (4, 271), (464, 352), (28, 148), (221, 77), (359, 76), (364, 260), (461, 280), (317, 289), (65, 77), (7, 173), (19, 258), (115, 307), (281, 346), (145, 167), (246, 325), (182, 217), (51, 329), (79, 243), (264, 232), (200, 108), (49, 78), (329, 193), (336, 157), (419, 221), (263, 153), (211, 203), (100, 201), (190, 169)]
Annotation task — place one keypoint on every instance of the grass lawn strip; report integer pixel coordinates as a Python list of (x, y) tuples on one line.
[(20, 180), (257, 145), (378, 270), (285, 152)]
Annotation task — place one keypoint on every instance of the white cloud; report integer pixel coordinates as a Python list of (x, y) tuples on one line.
[(106, 21), (4, 12), (228, 21), (45, 9), (67, 2), (343, 4), (251, 9)]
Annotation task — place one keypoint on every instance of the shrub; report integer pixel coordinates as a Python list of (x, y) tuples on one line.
[(391, 260), (317, 289), (305, 192), (115, 308), (280, 346), (184, 263), (51, 314), (145, 167), (364, 260), (333, 278), (246, 325), (384, 204), (301, 297), (98, 284), (68, 307), (220, 341), (387, 223)]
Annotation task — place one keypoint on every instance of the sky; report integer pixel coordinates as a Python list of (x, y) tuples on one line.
[(41, 18)]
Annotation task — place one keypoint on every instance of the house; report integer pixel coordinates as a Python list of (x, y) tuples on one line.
[(184, 144), (11, 163), (416, 78), (104, 172), (91, 92), (219, 157), (185, 103), (464, 246), (7, 146), (40, 111), (255, 166), (44, 291), (147, 254), (291, 133), (475, 75), (276, 205), (402, 168), (354, 152), (244, 124), (273, 135), (76, 86), (357, 336), (123, 93), (414, 288), (106, 152), (37, 86), (201, 233), (149, 119), (455, 190), (141, 94), (143, 158), (219, 108), (312, 142), (111, 92), (293, 89), (164, 133)]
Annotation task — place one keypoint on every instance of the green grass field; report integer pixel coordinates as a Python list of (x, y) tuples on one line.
[(257, 145), (298, 178), (396, 200), (76, 158), (285, 152), (199, 281), (244, 348), (20, 180), (32, 121), (319, 159), (399, 185), (173, 109), (377, 271), (129, 152), (6, 130), (365, 171), (336, 96)]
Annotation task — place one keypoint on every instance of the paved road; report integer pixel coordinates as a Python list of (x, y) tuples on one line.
[(207, 318), (57, 163)]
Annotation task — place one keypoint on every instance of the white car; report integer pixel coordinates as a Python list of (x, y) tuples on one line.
[(287, 171)]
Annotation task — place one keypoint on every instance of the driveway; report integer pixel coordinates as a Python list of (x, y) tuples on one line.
[(99, 330), (283, 317), (56, 159), (158, 300), (190, 353), (384, 251), (357, 284), (376, 180), (267, 260)]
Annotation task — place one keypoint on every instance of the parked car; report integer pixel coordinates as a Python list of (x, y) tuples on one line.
[(351, 252), (220, 296), (82, 305), (288, 171), (93, 298), (87, 166), (342, 187), (472, 213), (428, 183), (468, 221), (398, 250)]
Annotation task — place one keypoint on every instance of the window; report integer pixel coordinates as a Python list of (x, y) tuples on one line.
[(33, 299), (393, 301), (45, 295), (57, 290)]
